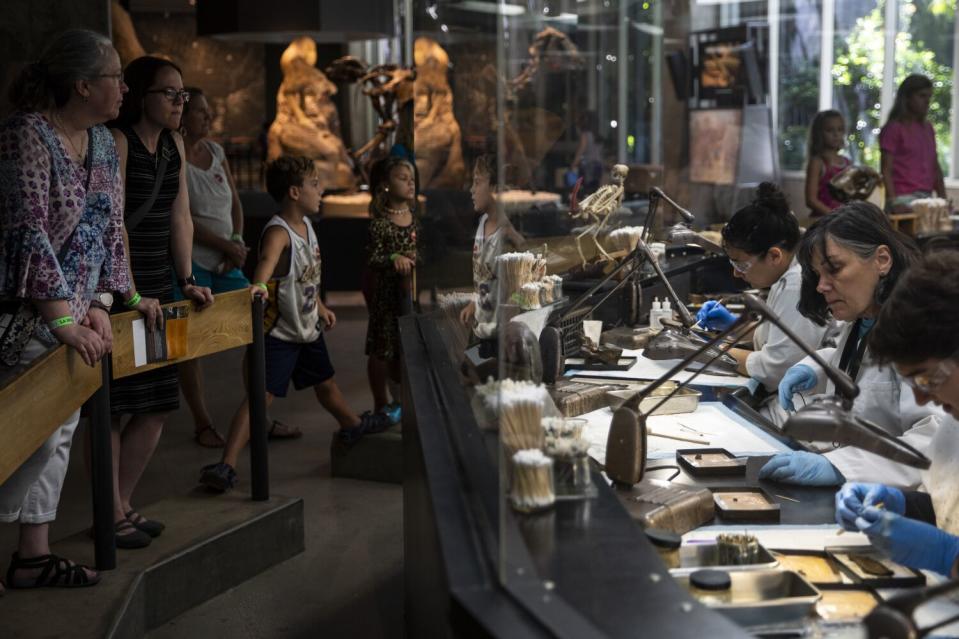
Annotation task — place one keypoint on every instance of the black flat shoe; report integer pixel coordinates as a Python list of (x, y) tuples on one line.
[(132, 538), (150, 527)]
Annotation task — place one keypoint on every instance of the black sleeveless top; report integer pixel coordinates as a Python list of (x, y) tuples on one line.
[(155, 391), (150, 257)]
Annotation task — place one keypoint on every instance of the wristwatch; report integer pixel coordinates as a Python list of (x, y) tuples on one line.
[(103, 301), (186, 281)]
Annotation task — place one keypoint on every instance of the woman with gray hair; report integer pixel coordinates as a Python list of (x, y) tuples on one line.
[(61, 257), (851, 259)]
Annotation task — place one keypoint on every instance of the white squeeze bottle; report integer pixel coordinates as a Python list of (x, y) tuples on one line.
[(654, 314)]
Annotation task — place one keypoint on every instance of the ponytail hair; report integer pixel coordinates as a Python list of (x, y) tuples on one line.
[(76, 54)]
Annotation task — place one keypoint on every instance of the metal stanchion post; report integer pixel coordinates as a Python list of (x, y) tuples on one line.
[(101, 471), (259, 454)]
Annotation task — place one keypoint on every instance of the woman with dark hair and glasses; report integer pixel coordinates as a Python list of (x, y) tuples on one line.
[(160, 239), (851, 259), (919, 530), (760, 241)]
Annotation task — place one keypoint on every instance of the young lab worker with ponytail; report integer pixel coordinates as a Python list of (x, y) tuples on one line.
[(919, 530), (851, 259), (760, 241)]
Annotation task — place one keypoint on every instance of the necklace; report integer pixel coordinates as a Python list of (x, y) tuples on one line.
[(397, 211), (58, 124)]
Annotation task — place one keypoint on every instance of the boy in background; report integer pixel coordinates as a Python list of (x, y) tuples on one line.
[(295, 317)]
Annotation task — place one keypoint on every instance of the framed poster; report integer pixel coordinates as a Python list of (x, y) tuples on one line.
[(714, 140)]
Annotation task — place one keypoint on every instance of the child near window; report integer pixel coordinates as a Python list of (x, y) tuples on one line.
[(910, 166), (827, 135)]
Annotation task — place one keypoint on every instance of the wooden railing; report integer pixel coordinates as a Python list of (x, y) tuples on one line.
[(41, 397)]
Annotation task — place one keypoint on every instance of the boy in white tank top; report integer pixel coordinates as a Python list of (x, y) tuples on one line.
[(287, 276)]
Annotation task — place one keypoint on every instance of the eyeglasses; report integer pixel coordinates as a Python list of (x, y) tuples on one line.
[(116, 77), (173, 95), (930, 381), (742, 267)]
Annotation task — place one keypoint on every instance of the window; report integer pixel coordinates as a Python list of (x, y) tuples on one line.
[(800, 29), (925, 44), (846, 43)]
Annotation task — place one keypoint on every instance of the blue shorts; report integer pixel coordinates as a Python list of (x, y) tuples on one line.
[(230, 281), (307, 364)]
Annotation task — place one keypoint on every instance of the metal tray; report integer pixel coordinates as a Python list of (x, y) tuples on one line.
[(696, 556), (840, 579), (762, 597), (731, 465), (902, 577), (686, 400), (765, 508)]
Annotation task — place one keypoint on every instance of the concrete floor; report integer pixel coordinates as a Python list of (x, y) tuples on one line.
[(348, 582)]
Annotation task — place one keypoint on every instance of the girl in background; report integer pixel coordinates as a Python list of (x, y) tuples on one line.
[(392, 260), (910, 166), (827, 135)]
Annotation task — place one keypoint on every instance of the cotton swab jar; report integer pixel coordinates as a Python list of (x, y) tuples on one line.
[(532, 481)]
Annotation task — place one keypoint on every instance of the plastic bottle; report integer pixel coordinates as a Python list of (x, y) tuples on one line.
[(655, 313)]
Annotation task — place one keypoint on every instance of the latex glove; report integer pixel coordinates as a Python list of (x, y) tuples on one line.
[(909, 542), (854, 496), (715, 317), (798, 378), (802, 468)]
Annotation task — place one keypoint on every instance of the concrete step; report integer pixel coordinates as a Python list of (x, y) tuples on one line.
[(376, 457), (211, 544)]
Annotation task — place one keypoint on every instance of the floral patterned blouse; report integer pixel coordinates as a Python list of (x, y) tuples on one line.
[(42, 201)]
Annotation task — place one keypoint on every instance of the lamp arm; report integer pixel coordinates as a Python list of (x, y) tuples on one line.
[(640, 395), (686, 318), (845, 385)]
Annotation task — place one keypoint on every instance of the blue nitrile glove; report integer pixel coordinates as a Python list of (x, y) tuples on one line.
[(715, 317), (802, 468), (854, 496), (910, 542), (798, 378)]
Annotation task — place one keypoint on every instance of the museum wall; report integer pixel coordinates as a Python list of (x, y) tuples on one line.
[(231, 74), (26, 25)]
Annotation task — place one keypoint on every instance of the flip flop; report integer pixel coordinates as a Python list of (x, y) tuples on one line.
[(279, 430), (206, 442)]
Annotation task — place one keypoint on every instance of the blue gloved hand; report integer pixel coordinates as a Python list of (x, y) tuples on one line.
[(854, 496), (798, 378), (909, 542), (715, 317), (802, 468)]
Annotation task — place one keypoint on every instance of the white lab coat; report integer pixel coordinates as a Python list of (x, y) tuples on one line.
[(887, 401), (774, 352), (941, 481)]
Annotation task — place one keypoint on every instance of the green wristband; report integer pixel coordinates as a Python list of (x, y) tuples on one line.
[(262, 285), (236, 237), (393, 256), (133, 301), (60, 322)]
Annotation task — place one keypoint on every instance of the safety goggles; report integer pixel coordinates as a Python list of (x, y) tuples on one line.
[(930, 381), (743, 267)]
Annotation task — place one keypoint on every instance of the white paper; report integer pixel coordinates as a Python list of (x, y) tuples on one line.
[(650, 369), (718, 425), (139, 343)]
